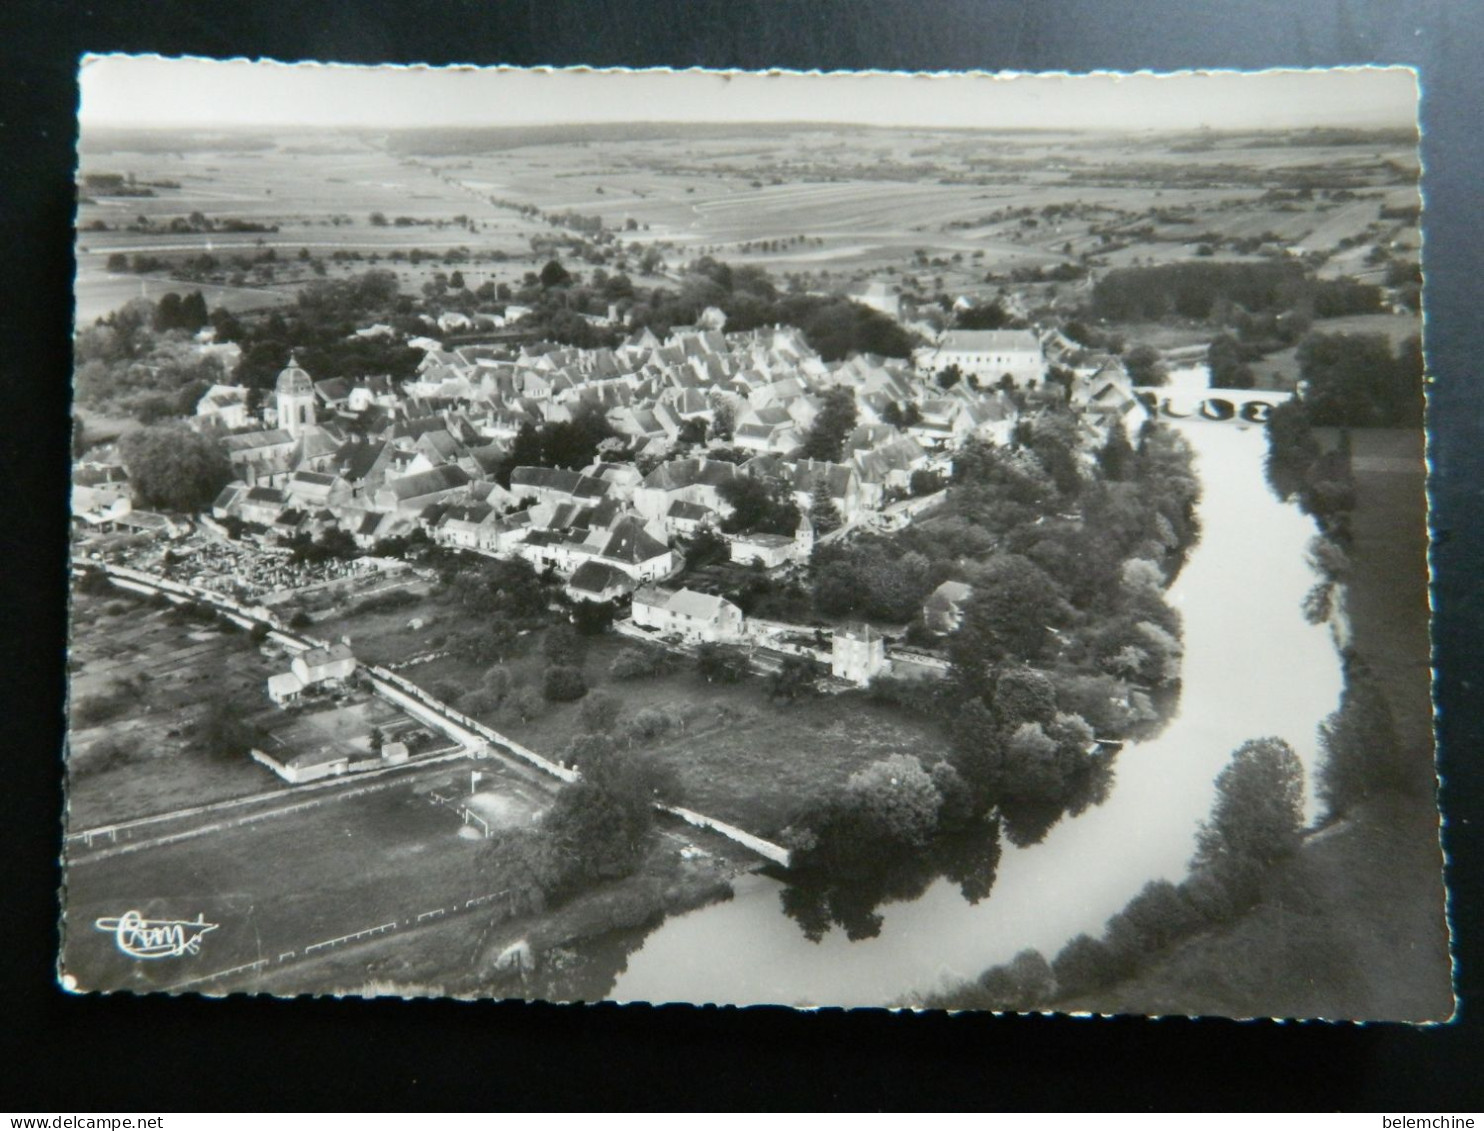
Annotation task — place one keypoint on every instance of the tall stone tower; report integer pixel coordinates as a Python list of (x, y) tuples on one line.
[(857, 653), (803, 538), (295, 392)]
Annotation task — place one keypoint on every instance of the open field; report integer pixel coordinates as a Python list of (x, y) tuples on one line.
[(740, 755), (142, 679), (275, 885), (1281, 370), (835, 204), (149, 674), (1353, 925), (317, 200), (579, 947)]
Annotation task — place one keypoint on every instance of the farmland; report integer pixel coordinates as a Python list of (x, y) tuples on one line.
[(739, 754), (829, 205), (139, 678)]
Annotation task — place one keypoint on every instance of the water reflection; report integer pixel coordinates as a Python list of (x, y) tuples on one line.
[(1253, 666), (848, 896)]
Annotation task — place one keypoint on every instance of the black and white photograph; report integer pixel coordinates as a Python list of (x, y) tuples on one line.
[(926, 541)]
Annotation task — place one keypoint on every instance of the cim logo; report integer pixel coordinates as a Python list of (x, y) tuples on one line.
[(139, 937)]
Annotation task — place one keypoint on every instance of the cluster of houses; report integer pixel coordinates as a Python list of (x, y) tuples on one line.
[(378, 461), (855, 653)]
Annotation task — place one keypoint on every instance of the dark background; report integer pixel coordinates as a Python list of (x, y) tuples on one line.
[(78, 1054)]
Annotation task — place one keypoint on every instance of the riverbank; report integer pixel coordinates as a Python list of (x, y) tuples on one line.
[(573, 952), (1353, 926)]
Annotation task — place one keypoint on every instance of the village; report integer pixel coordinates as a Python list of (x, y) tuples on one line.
[(690, 415)]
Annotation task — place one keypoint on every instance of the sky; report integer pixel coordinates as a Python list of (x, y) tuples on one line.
[(120, 90)]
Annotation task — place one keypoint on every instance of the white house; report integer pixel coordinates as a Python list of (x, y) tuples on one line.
[(684, 612), (322, 665), (598, 581), (987, 355), (285, 688)]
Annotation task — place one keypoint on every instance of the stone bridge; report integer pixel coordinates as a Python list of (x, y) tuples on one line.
[(1244, 406)]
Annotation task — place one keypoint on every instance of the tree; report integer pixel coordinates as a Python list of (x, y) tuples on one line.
[(720, 664), (899, 797), (600, 712), (1257, 816), (563, 684), (173, 468), (723, 420), (1226, 360), (638, 662), (497, 682), (1032, 767), (707, 548), (692, 432), (1014, 603), (759, 506), (586, 750), (223, 731), (1362, 752), (1146, 366), (794, 677), (563, 646), (1116, 456), (1356, 380), (1024, 695), (524, 704), (823, 513), (826, 437), (1085, 963), (493, 640), (554, 275)]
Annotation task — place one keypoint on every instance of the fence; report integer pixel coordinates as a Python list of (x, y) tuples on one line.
[(433, 711), (325, 945)]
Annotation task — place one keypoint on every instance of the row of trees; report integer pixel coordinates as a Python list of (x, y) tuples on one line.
[(1205, 291), (1066, 630), (1256, 822)]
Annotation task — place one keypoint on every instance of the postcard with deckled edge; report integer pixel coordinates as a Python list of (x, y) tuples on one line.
[(950, 541)]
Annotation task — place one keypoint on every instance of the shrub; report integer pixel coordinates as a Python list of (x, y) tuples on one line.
[(587, 750), (300, 619), (600, 711), (563, 647), (497, 682), (1084, 964), (1023, 983), (94, 582), (563, 684), (639, 662), (648, 725), (109, 752), (1152, 920), (92, 710), (720, 664), (525, 704), (478, 703)]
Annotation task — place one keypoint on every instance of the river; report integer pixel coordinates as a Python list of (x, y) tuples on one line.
[(1253, 667)]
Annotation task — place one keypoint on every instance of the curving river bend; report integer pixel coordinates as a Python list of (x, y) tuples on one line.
[(1253, 667)]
